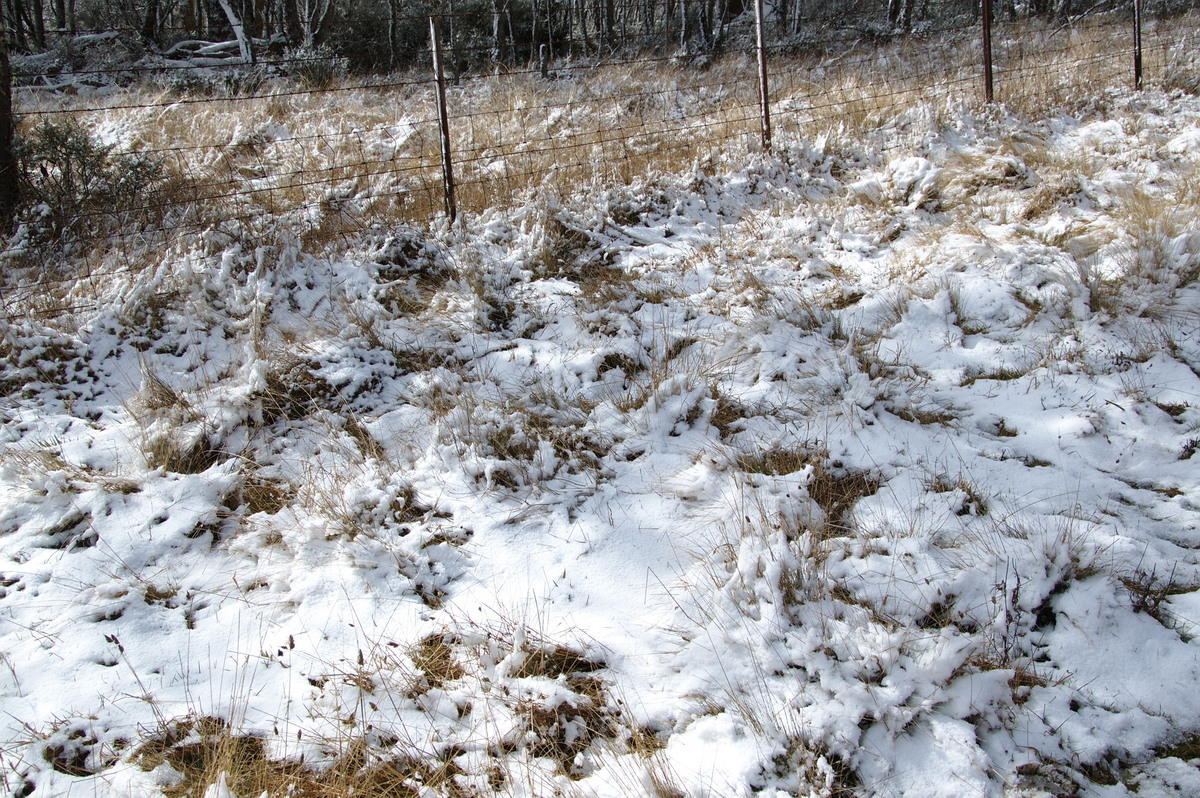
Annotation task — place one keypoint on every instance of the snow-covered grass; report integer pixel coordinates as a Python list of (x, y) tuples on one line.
[(862, 467), (267, 151)]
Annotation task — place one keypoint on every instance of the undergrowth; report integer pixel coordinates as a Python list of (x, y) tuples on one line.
[(605, 337)]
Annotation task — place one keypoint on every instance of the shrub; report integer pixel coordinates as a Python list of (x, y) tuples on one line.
[(315, 67), (74, 186)]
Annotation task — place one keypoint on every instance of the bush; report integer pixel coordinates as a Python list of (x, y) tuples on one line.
[(73, 186), (315, 67)]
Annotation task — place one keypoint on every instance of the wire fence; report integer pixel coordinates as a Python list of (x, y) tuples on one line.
[(298, 142)]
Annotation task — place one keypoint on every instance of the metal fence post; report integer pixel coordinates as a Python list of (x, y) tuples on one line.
[(435, 36), (988, 94), (1137, 44), (764, 95)]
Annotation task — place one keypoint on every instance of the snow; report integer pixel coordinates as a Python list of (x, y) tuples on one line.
[(829, 482)]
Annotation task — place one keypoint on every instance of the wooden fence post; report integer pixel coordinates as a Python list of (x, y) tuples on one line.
[(435, 36), (988, 94), (1137, 44), (764, 95)]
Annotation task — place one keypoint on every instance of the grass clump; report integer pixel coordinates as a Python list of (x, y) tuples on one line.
[(831, 486), (971, 500), (776, 461), (206, 751), (434, 657), (836, 489)]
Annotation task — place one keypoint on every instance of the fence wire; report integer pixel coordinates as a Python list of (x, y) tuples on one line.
[(296, 142)]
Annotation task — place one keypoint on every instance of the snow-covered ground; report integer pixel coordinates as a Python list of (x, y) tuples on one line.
[(841, 470)]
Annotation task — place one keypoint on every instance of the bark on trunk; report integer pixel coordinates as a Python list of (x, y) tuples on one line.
[(150, 21), (239, 33)]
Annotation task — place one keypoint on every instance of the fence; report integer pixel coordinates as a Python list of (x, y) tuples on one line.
[(294, 140)]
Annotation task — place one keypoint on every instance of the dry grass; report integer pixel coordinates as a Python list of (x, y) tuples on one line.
[(434, 657), (27, 464), (371, 760), (1156, 225), (259, 494), (174, 435), (205, 751), (522, 139), (377, 162), (373, 164), (833, 487), (972, 501)]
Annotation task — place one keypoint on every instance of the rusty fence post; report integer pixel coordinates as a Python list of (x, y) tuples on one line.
[(435, 36), (988, 93), (1137, 44)]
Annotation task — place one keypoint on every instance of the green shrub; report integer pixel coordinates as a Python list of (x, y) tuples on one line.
[(73, 186)]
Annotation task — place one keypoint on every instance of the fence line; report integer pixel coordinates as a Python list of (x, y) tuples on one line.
[(479, 139)]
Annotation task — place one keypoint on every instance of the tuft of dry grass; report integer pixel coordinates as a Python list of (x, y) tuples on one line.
[(973, 502), (180, 453), (778, 461), (836, 489), (206, 751), (434, 657), (553, 660), (259, 494), (571, 715), (175, 437), (833, 487)]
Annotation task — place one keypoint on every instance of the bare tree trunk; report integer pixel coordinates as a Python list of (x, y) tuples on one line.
[(150, 21), (239, 33), (508, 32), (315, 17), (581, 10), (305, 20), (9, 184), (187, 19), (39, 24), (458, 60), (533, 28), (496, 46), (256, 27), (393, 34), (683, 24), (291, 21), (16, 23)]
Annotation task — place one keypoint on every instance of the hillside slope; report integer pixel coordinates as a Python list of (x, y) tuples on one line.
[(836, 471)]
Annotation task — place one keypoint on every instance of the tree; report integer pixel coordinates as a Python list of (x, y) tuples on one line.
[(9, 171), (305, 21), (239, 33), (900, 13)]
